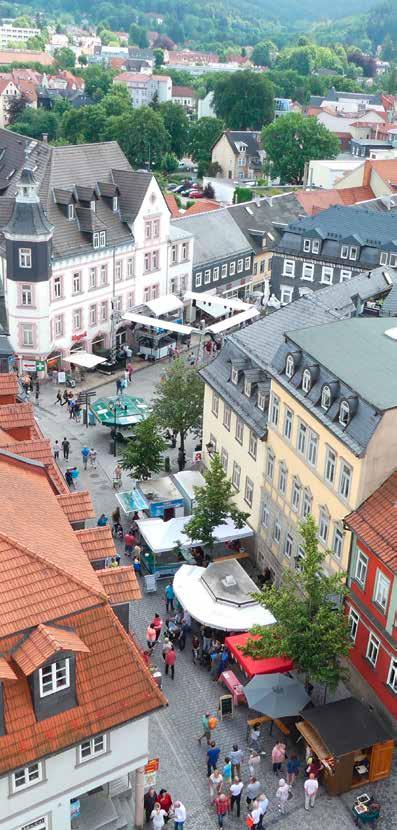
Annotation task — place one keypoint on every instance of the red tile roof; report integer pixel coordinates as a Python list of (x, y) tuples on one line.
[(8, 56), (8, 384), (352, 195), (172, 205), (375, 522), (120, 584), (313, 201), (15, 415), (38, 449), (42, 643), (202, 206), (183, 92), (77, 506), (6, 672), (97, 542)]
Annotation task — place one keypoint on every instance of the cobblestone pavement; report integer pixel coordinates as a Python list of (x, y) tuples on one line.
[(174, 730)]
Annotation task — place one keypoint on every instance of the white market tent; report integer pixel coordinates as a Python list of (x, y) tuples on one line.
[(215, 305), (187, 480), (86, 359), (164, 305), (163, 536), (158, 323), (220, 600), (230, 322)]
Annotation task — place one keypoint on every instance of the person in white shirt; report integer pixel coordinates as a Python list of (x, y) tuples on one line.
[(311, 789), (235, 792), (263, 803), (256, 815), (158, 817), (236, 756), (179, 815), (253, 762), (282, 794)]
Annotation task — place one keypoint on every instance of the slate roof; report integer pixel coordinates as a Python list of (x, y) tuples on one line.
[(216, 236), (256, 218), (375, 522), (248, 137), (343, 222)]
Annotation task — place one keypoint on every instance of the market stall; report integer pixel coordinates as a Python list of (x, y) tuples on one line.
[(186, 481), (84, 359), (220, 596), (163, 498), (353, 747), (154, 335), (249, 665)]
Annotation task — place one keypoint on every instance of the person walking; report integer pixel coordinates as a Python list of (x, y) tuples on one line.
[(93, 458), (253, 762), (158, 815), (213, 753), (256, 816), (311, 789), (195, 648), (130, 370), (255, 736), (207, 729), (282, 795), (215, 783), (293, 765), (222, 807), (118, 386), (227, 772), (149, 800), (170, 660), (169, 598), (179, 815), (278, 756), (253, 789), (157, 624), (129, 543), (263, 804), (69, 480), (58, 398), (236, 757), (56, 449), (85, 453), (66, 448), (150, 636), (65, 397), (235, 795)]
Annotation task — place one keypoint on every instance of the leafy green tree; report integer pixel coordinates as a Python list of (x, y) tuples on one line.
[(169, 163), (65, 58), (214, 504), (202, 136), (311, 626), (158, 57), (244, 101), (22, 22), (177, 125), (36, 43), (242, 194), (178, 400), (263, 53), (98, 81), (143, 453), (82, 60), (137, 36), (34, 123), (117, 101), (293, 140)]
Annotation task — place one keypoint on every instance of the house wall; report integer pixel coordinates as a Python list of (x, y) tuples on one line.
[(228, 282), (224, 155), (378, 185), (288, 288), (380, 456), (66, 778)]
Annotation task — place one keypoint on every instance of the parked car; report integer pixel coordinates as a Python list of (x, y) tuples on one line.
[(172, 186), (196, 194)]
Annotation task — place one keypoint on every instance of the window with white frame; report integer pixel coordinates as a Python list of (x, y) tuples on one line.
[(92, 278), (345, 480), (344, 413), (265, 515), (299, 556), (118, 271), (372, 649), (227, 416), (274, 410), (198, 279), (207, 276), (327, 274), (344, 253), (148, 230), (270, 464), (95, 240), (360, 574), (312, 448), (307, 245), (276, 532), (353, 252), (76, 283), (130, 300), (156, 228), (58, 325), (306, 503), (234, 376), (325, 398), (393, 260), (224, 271), (289, 366), (301, 438), (130, 266), (76, 319), (252, 445), (286, 294), (288, 545), (337, 542), (38, 824), (296, 495), (115, 204), (92, 315), (236, 475), (308, 271), (330, 465), (316, 246), (240, 266), (288, 419), (224, 459), (289, 268), (27, 334), (353, 622), (215, 274), (104, 311), (147, 260), (213, 442), (306, 381), (323, 525), (185, 251), (247, 388), (215, 404), (392, 676), (118, 303), (25, 257), (173, 285), (155, 260), (239, 435), (26, 776), (381, 590), (26, 294), (249, 491), (232, 269), (345, 275), (57, 287), (174, 254), (261, 400), (92, 747), (92, 205), (70, 212), (104, 275), (102, 239), (54, 677), (282, 479), (247, 263)]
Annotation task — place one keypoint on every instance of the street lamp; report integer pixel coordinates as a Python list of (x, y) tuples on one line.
[(113, 408)]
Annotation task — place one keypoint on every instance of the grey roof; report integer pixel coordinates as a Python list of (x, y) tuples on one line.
[(389, 307), (133, 187), (255, 218), (372, 142), (248, 137), (216, 236), (340, 222), (28, 217), (335, 95)]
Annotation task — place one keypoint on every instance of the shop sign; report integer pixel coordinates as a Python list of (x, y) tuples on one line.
[(29, 365), (40, 365), (150, 772), (77, 337)]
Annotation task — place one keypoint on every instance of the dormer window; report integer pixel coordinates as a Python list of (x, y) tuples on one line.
[(234, 376), (70, 212), (353, 252), (54, 677), (115, 204), (325, 398), (344, 252), (384, 258), (306, 245), (306, 381), (261, 401), (344, 413), (247, 388), (92, 205), (102, 239), (315, 246), (25, 257), (289, 366)]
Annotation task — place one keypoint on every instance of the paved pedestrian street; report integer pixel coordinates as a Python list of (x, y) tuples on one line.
[(174, 730)]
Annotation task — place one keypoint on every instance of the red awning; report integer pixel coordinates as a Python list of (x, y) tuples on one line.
[(249, 665)]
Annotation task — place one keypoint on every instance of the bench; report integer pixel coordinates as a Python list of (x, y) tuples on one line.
[(265, 719), (242, 554)]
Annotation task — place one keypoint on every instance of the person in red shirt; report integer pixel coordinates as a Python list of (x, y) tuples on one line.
[(222, 806), (165, 801), (170, 660), (130, 542), (157, 625)]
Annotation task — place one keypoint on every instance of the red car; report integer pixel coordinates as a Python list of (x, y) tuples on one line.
[(196, 194)]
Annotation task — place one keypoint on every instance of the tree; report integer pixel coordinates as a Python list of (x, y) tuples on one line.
[(141, 135), (242, 194), (177, 125), (203, 135), (34, 123), (214, 504), (169, 163), (143, 453), (311, 626), (158, 57), (263, 53), (244, 100), (36, 44), (98, 81), (137, 36), (16, 107), (82, 60), (65, 58), (293, 140), (178, 401)]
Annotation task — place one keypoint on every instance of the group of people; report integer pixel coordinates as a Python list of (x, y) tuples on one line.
[(67, 398), (125, 379), (160, 808)]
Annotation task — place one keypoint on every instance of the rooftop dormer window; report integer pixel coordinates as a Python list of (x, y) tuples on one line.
[(315, 246), (306, 381), (344, 252), (70, 212), (353, 252), (289, 366), (234, 376), (306, 245), (247, 388), (344, 413), (54, 677), (326, 398), (115, 204)]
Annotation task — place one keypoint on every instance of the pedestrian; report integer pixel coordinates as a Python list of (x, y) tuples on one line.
[(71, 405), (130, 370), (207, 729), (126, 375), (136, 563), (165, 802), (103, 520), (65, 397), (311, 788), (157, 624), (114, 562), (93, 458), (222, 807), (118, 472), (118, 386), (77, 412), (255, 736), (253, 762), (158, 816), (167, 646), (195, 648), (56, 449), (227, 772), (235, 795), (149, 800), (169, 598), (66, 448), (256, 816), (129, 543), (215, 783), (293, 765), (207, 636), (213, 752), (170, 660), (263, 803), (282, 794), (150, 636), (314, 765), (236, 757), (278, 756), (253, 789), (216, 663), (58, 398), (123, 385), (69, 479), (179, 815), (85, 453)]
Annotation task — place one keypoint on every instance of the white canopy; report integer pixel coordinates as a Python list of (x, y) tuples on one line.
[(163, 536), (224, 325), (86, 359), (163, 305), (187, 480), (194, 596), (157, 323), (217, 306)]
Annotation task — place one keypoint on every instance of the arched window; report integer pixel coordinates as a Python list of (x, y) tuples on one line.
[(325, 398), (306, 380), (289, 366), (344, 413)]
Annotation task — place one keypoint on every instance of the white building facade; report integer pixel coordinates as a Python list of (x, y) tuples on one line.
[(143, 87)]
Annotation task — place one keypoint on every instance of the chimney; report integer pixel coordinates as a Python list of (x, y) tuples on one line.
[(45, 138)]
